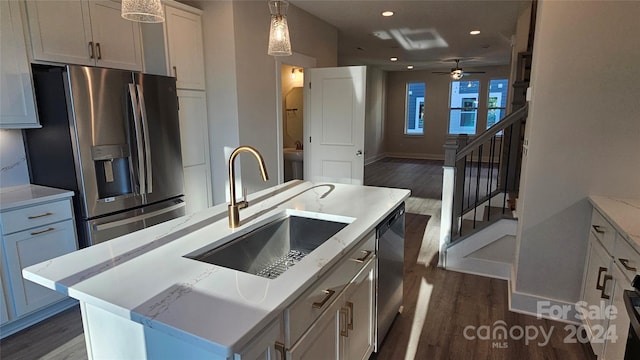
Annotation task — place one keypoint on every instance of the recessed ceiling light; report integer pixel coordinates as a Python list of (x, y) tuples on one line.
[(410, 67), (394, 59), (387, 13), (474, 32)]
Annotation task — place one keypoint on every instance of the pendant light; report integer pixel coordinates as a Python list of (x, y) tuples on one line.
[(146, 11), (279, 43)]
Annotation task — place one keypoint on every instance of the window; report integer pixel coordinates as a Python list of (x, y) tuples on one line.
[(497, 101), (414, 124), (463, 107)]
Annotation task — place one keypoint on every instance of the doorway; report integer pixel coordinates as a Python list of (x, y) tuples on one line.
[(290, 72)]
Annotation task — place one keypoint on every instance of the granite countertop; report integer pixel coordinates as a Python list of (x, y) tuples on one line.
[(24, 195), (144, 276), (623, 214)]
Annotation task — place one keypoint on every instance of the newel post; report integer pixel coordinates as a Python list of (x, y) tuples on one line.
[(452, 187)]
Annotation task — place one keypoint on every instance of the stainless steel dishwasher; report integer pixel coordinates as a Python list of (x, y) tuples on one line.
[(390, 251)]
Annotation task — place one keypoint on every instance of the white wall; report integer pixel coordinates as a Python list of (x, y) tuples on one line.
[(583, 136), (242, 104), (374, 116), (13, 163), (429, 145)]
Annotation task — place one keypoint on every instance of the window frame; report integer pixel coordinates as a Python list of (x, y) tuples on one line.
[(464, 110), (503, 108), (420, 102)]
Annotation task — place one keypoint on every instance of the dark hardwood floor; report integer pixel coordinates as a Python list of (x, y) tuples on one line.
[(438, 305)]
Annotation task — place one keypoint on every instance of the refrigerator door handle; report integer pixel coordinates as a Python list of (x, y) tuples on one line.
[(117, 223), (136, 122), (147, 147)]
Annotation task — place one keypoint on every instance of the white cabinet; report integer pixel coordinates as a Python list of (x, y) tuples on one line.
[(611, 265), (267, 345), (358, 341), (31, 235), (194, 139), (346, 328), (336, 315), (84, 32), (17, 105), (4, 313), (598, 287), (186, 54)]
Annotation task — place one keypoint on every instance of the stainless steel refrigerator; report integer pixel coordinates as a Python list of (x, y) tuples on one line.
[(112, 137)]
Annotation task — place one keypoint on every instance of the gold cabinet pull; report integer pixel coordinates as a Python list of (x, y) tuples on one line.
[(39, 216), (600, 271), (598, 229), (280, 348), (343, 315), (604, 285), (175, 72), (98, 51), (328, 294), (42, 231), (364, 257), (350, 323), (625, 263), (91, 55)]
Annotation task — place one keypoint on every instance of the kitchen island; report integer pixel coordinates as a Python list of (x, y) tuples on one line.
[(142, 298)]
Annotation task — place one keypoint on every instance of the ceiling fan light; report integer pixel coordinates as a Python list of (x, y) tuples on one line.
[(457, 74), (145, 11)]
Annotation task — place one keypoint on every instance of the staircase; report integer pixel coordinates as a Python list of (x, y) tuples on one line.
[(480, 185)]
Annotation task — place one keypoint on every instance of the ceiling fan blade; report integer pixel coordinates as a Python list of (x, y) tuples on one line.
[(474, 72), (442, 72)]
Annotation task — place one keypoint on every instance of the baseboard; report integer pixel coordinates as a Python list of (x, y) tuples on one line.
[(486, 268), (527, 304), (371, 160), (24, 322)]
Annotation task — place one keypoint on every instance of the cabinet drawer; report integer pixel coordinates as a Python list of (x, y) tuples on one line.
[(627, 258), (35, 216), (313, 302), (603, 231)]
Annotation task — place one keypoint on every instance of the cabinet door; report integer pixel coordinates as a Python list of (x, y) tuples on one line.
[(186, 56), (17, 106), (30, 247), (61, 31), (598, 288), (618, 328), (263, 347), (194, 140), (359, 340), (4, 311), (321, 342), (117, 40)]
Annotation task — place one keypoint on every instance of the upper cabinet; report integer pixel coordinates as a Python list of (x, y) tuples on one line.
[(85, 33), (17, 105), (184, 38)]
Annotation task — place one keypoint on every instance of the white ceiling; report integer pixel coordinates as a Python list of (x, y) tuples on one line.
[(423, 33)]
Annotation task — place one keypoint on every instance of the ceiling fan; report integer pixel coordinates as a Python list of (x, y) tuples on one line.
[(456, 72)]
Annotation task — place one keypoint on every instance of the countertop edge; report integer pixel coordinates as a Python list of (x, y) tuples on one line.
[(604, 207)]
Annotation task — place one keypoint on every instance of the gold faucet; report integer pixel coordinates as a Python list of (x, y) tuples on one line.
[(234, 207)]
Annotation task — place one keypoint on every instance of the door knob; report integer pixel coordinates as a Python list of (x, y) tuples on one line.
[(359, 153)]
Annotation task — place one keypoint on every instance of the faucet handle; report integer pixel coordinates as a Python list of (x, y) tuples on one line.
[(244, 203)]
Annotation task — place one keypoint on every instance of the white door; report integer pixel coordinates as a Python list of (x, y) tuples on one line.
[(334, 124)]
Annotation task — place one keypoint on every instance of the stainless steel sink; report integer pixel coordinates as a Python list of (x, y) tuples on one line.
[(271, 249)]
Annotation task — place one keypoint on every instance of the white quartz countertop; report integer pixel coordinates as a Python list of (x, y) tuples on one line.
[(623, 214), (145, 277), (24, 195)]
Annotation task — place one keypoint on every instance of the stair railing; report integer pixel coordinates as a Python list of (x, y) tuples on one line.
[(480, 172)]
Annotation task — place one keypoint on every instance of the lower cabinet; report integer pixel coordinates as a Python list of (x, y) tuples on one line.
[(30, 235), (30, 247), (346, 329), (610, 267), (598, 287)]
